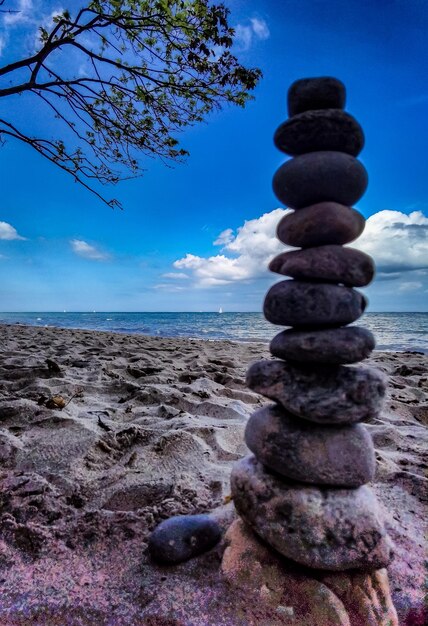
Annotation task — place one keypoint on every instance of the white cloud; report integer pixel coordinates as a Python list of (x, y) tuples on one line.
[(168, 287), (260, 28), (85, 250), (245, 33), (23, 13), (396, 241), (47, 22), (82, 71), (410, 286), (243, 36), (8, 232), (30, 14), (224, 237), (246, 254), (2, 44), (56, 13), (175, 275)]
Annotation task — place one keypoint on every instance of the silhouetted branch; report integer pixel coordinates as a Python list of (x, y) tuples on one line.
[(124, 78)]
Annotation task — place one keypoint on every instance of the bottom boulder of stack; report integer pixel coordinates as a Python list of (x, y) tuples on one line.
[(289, 594), (321, 527)]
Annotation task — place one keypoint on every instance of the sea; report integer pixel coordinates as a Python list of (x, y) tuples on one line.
[(393, 331)]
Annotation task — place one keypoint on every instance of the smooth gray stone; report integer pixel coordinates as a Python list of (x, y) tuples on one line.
[(319, 225), (323, 92), (339, 456), (302, 304), (319, 527), (319, 177), (333, 346), (183, 537), (325, 129), (328, 263), (327, 395)]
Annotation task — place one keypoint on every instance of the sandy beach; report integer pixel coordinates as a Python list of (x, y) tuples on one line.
[(104, 435)]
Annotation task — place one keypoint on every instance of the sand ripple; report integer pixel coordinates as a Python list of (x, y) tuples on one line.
[(150, 428)]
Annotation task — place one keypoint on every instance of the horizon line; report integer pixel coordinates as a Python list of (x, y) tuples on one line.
[(91, 312)]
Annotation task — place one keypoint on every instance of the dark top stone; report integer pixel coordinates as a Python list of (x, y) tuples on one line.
[(320, 224), (300, 304), (333, 263), (323, 92), (183, 537), (327, 395), (341, 456), (319, 177), (334, 346), (321, 527), (328, 129)]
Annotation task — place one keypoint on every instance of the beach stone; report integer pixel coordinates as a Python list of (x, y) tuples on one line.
[(341, 456), (299, 303), (367, 596), (319, 177), (327, 129), (334, 346), (348, 266), (180, 538), (327, 395), (324, 92), (313, 597), (280, 593), (319, 527), (319, 225)]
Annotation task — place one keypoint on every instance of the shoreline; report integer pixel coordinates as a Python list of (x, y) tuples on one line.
[(120, 333), (150, 428), (262, 342)]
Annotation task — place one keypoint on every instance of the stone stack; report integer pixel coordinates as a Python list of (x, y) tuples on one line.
[(304, 488)]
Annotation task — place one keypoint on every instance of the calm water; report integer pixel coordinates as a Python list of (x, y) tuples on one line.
[(393, 331)]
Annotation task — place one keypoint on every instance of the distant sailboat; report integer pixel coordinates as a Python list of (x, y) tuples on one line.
[(220, 310)]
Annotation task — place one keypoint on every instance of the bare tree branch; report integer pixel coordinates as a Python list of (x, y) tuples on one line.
[(6, 10)]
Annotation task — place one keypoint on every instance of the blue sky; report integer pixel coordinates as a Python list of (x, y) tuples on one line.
[(198, 236)]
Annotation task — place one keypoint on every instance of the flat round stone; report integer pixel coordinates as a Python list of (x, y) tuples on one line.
[(334, 346), (330, 263), (323, 92), (183, 537), (319, 527), (339, 456), (319, 177), (312, 131), (300, 304), (326, 395), (319, 225)]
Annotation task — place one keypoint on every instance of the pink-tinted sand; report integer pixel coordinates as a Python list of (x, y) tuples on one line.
[(151, 430)]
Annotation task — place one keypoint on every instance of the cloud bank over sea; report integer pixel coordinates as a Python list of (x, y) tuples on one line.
[(398, 242), (235, 276)]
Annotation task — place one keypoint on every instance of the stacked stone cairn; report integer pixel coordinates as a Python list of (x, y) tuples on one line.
[(304, 488)]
